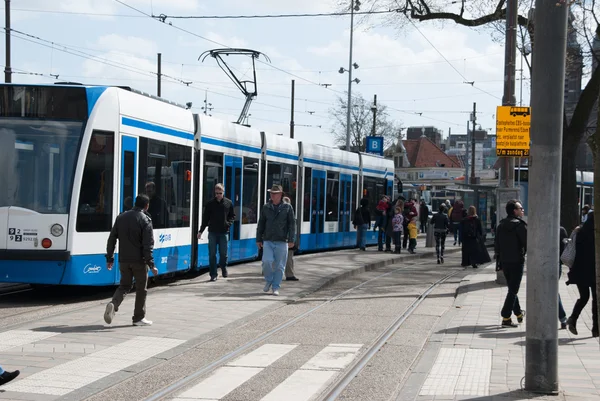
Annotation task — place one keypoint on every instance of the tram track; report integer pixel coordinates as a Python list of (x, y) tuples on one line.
[(334, 390)]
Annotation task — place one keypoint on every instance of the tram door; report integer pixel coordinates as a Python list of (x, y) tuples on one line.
[(128, 172), (317, 222), (233, 190), (345, 217)]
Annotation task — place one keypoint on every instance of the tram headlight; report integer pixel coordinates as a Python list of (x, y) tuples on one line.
[(57, 230)]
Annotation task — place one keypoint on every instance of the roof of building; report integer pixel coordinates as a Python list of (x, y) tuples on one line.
[(423, 152)]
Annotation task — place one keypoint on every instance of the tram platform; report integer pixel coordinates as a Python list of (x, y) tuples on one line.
[(465, 354)]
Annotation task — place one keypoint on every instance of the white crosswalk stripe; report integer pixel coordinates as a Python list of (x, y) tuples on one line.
[(70, 376), (229, 377), (17, 338), (315, 374)]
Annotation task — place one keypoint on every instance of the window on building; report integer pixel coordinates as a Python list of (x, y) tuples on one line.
[(94, 213)]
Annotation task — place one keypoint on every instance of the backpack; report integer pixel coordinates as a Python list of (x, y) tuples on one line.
[(469, 230)]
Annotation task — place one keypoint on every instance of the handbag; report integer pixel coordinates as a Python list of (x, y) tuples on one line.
[(568, 255)]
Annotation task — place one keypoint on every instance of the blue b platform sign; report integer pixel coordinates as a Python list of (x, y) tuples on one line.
[(375, 145)]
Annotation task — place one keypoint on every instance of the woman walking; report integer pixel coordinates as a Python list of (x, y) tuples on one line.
[(474, 251), (361, 222), (583, 274), (441, 225)]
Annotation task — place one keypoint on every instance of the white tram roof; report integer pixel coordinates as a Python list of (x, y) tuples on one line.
[(224, 136), (280, 148), (319, 156), (377, 166)]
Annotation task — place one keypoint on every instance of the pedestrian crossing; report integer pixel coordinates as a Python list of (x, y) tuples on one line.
[(72, 375), (301, 385)]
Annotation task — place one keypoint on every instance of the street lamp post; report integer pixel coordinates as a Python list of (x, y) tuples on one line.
[(353, 4)]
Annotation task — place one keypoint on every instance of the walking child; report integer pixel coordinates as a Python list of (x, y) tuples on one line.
[(398, 226), (412, 235)]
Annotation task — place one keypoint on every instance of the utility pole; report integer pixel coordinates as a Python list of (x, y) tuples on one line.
[(507, 172), (7, 69), (292, 116), (474, 120), (467, 156), (547, 101), (158, 76), (349, 104), (374, 109)]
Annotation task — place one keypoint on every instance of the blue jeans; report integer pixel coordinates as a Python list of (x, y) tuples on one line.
[(1, 370), (214, 240), (273, 262), (361, 235)]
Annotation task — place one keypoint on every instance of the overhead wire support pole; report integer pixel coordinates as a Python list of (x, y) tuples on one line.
[(507, 172), (7, 68), (547, 102), (474, 119), (349, 105), (292, 113), (158, 75)]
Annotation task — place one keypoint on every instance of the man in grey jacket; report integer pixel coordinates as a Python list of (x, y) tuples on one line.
[(275, 234), (133, 229)]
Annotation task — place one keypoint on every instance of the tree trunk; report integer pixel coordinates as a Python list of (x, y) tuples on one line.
[(569, 211)]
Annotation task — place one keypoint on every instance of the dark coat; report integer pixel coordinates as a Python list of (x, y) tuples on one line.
[(474, 251), (511, 241), (584, 267), (133, 229)]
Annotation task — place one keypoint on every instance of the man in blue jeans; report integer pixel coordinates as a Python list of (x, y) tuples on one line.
[(218, 216), (276, 233), (6, 376)]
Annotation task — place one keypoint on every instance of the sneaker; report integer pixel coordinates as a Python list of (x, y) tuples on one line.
[(508, 323), (109, 313), (438, 261), (521, 316), (8, 376), (267, 287), (293, 278), (224, 273), (572, 325), (143, 322), (213, 279), (276, 292), (563, 325), (442, 259)]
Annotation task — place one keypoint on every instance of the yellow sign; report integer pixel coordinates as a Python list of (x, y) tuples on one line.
[(512, 131)]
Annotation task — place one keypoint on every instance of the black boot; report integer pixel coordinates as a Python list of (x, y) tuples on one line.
[(572, 325)]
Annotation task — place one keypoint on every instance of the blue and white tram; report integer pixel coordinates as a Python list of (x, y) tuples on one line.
[(73, 157)]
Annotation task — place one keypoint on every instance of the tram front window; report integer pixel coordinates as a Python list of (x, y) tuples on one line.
[(37, 163)]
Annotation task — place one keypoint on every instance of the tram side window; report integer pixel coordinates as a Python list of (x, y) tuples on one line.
[(353, 205), (373, 189), (213, 175), (306, 188), (94, 213), (333, 195), (165, 176), (284, 175), (250, 191)]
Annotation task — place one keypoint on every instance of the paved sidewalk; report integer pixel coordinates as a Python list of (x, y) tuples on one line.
[(75, 354), (471, 357)]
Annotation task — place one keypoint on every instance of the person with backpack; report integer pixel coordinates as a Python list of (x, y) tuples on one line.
[(456, 216), (361, 222), (474, 252), (441, 224)]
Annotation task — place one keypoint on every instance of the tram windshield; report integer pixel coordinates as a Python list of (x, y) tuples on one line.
[(37, 163)]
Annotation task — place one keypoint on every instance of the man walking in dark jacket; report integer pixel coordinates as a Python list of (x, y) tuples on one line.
[(218, 216), (510, 248), (276, 233), (133, 229)]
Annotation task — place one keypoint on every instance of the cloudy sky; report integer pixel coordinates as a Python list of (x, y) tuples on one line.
[(104, 42)]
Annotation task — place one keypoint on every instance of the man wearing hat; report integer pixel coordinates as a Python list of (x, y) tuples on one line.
[(276, 233)]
